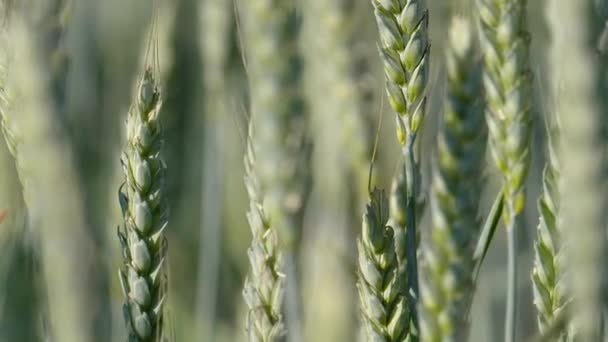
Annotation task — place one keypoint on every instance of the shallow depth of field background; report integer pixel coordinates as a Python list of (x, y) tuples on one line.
[(204, 128)]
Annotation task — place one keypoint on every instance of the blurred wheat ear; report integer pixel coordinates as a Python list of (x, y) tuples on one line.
[(447, 282), (46, 169), (281, 146), (576, 68)]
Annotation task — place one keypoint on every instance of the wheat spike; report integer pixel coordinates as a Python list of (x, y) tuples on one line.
[(507, 80), (547, 275), (264, 287), (281, 145), (383, 303), (575, 64), (46, 169), (404, 50), (448, 273), (145, 212)]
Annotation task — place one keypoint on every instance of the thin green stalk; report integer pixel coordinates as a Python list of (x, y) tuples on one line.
[(383, 303), (575, 64), (215, 29), (404, 50), (449, 264), (145, 211), (505, 44), (511, 311)]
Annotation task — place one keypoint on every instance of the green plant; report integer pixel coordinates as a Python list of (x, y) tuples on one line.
[(282, 147), (265, 285), (47, 172), (335, 62), (507, 79), (582, 226), (404, 50), (383, 304), (447, 284), (144, 208), (547, 275)]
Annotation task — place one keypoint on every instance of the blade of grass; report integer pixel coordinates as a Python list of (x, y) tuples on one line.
[(487, 234)]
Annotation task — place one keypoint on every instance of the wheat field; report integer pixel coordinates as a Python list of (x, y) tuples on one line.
[(303, 170)]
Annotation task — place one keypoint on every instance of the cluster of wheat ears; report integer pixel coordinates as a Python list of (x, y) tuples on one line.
[(409, 288)]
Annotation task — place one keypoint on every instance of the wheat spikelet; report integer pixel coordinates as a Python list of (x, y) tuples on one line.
[(383, 303), (145, 213), (448, 273)]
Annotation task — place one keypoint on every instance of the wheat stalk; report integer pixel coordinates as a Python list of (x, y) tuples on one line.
[(581, 223), (547, 274), (215, 27), (145, 213), (448, 273), (507, 79), (383, 304), (404, 50)]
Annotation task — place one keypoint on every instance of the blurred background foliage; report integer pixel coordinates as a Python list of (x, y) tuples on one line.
[(205, 117)]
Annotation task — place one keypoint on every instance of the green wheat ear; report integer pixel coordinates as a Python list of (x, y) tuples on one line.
[(547, 275), (581, 224), (265, 285), (405, 53), (447, 284), (145, 213), (383, 303), (507, 79)]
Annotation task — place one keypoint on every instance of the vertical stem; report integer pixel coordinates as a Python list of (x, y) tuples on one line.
[(511, 311), (410, 232), (211, 232), (292, 298)]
